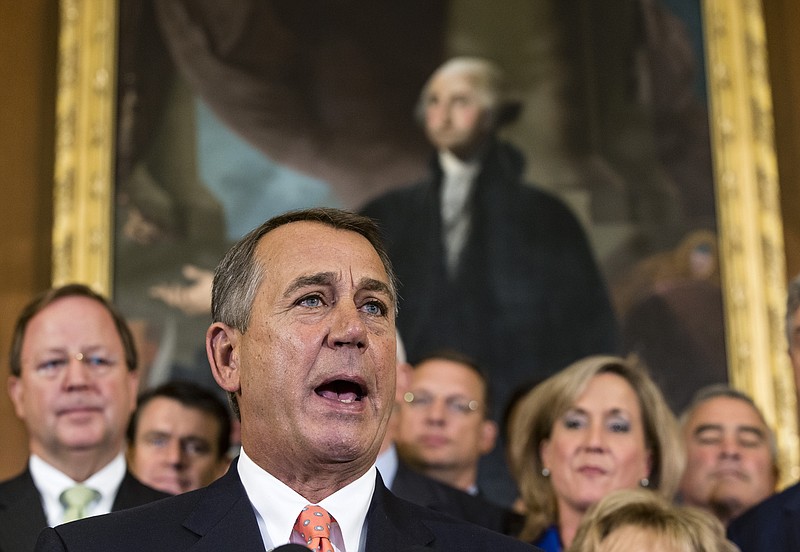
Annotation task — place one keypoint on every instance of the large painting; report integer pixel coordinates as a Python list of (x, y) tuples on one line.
[(182, 125)]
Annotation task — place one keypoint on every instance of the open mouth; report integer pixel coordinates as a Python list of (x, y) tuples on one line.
[(344, 391)]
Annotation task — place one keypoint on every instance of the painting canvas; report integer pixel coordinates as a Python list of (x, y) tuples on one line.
[(226, 113)]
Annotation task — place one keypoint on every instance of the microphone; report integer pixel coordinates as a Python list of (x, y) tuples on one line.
[(290, 548)]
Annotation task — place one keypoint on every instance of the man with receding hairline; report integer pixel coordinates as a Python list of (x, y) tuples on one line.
[(303, 340), (732, 459), (73, 384)]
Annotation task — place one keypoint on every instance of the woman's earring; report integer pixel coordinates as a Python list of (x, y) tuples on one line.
[(644, 482), (545, 472)]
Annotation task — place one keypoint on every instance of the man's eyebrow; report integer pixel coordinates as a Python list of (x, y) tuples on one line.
[(327, 278), (371, 284), (318, 279), (707, 427), (751, 429)]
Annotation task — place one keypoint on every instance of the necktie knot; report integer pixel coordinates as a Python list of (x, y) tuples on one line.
[(314, 525), (75, 500)]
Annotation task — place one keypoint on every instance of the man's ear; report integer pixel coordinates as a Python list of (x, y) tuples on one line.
[(223, 355), (488, 436), (16, 390)]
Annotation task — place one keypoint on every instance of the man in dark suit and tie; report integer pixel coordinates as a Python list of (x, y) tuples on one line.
[(73, 383), (418, 488), (303, 340), (774, 524)]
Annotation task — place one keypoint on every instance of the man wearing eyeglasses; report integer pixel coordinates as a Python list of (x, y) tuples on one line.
[(73, 384), (444, 430)]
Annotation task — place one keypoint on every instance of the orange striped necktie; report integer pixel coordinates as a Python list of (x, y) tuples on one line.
[(314, 525)]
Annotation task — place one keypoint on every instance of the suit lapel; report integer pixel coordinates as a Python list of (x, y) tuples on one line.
[(21, 513), (224, 518), (791, 518), (390, 525)]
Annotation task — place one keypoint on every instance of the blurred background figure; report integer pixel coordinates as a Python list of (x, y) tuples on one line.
[(73, 384), (731, 453), (635, 520), (417, 487), (599, 425), (669, 305), (444, 424), (491, 266), (179, 437)]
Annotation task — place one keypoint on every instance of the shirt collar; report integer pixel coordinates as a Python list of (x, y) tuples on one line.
[(452, 165), (50, 482), (387, 464), (277, 505)]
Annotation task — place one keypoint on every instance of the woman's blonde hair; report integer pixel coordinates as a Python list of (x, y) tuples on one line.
[(682, 527), (537, 412)]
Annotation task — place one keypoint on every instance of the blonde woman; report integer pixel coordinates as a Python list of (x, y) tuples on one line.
[(599, 425), (634, 520)]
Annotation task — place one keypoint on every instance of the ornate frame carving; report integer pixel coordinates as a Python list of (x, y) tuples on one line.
[(750, 227)]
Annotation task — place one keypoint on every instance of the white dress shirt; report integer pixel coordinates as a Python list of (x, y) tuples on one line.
[(50, 483), (277, 506), (387, 464), (457, 184)]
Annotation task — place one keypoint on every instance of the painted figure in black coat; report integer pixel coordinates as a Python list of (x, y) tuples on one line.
[(489, 265)]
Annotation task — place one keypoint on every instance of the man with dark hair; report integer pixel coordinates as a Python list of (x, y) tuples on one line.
[(774, 524), (303, 340), (73, 384), (444, 423), (178, 437), (416, 487)]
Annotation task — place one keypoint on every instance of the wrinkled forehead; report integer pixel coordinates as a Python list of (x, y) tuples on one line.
[(730, 411), (308, 247)]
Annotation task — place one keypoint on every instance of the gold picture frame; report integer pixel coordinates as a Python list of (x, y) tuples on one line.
[(745, 167)]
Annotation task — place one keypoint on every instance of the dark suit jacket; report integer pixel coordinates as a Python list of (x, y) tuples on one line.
[(22, 515), (425, 491), (773, 525), (220, 517)]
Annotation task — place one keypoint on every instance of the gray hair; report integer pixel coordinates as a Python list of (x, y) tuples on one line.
[(239, 274), (705, 394), (489, 81)]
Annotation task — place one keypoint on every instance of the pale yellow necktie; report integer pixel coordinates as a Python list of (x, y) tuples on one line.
[(75, 500)]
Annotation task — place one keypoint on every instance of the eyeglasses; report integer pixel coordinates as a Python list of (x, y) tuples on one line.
[(455, 405), (51, 367)]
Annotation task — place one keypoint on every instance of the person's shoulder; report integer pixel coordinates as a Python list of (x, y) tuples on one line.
[(428, 492), (152, 526), (389, 201), (456, 534), (17, 487), (768, 521), (20, 480), (133, 492), (788, 499)]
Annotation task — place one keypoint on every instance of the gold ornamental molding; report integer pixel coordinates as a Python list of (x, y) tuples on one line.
[(83, 187), (749, 216)]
